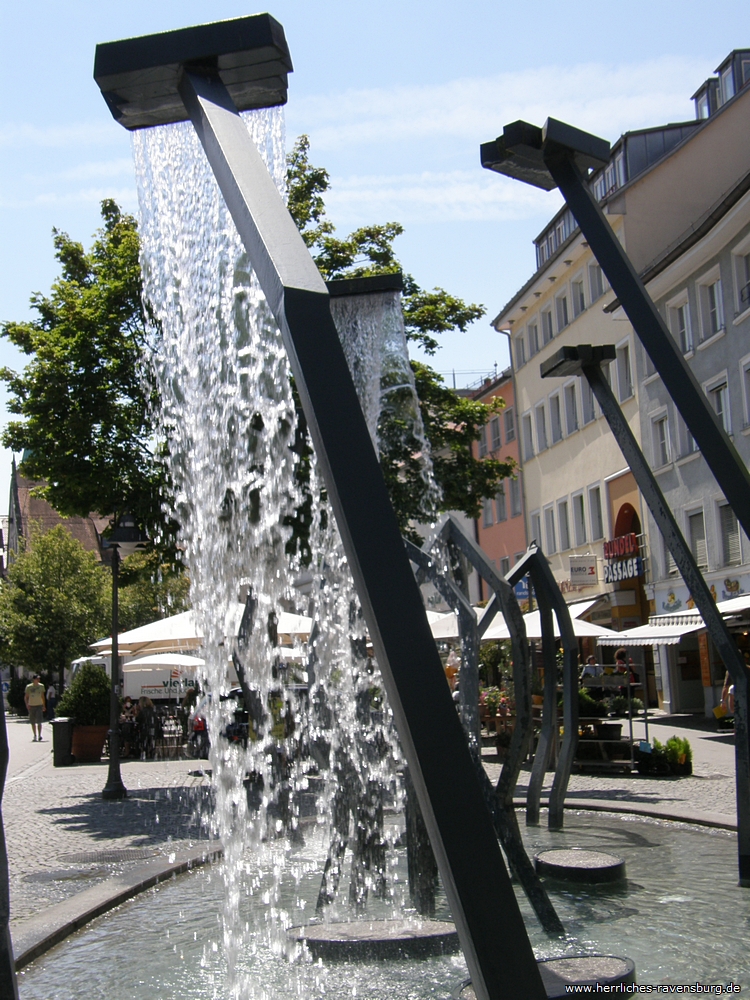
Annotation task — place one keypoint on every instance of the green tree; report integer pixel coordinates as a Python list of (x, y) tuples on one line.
[(150, 589), (85, 397), (54, 602), (452, 423)]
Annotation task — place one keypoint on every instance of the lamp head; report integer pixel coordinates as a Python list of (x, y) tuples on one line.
[(522, 151), (125, 536), (139, 77), (572, 360)]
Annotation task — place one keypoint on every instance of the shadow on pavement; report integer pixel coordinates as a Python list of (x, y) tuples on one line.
[(147, 816)]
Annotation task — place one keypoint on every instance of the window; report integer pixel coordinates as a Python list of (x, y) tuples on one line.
[(711, 305), (505, 565), (579, 299), (742, 278), (495, 433), (596, 282), (595, 513), (587, 401), (727, 85), (624, 379), (730, 536), (571, 408), (510, 425), (536, 528), (483, 441), (697, 533), (547, 331), (718, 394), (500, 507), (515, 497), (661, 441), (520, 352), (532, 331), (579, 519), (563, 522), (703, 109), (669, 562), (555, 418), (528, 437), (541, 428), (549, 531), (487, 513), (679, 323), (685, 440), (746, 389), (563, 312)]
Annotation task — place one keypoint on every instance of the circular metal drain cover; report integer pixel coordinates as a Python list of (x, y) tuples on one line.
[(108, 857)]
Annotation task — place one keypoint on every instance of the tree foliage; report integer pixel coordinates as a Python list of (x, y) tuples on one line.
[(83, 397), (150, 589), (54, 602), (451, 422)]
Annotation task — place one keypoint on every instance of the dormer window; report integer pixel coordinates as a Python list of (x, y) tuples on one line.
[(702, 107), (727, 84)]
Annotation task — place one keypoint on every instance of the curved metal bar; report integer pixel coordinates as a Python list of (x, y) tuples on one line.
[(500, 799), (547, 734), (547, 591)]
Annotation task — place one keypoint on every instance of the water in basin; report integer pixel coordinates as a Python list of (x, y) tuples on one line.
[(680, 917)]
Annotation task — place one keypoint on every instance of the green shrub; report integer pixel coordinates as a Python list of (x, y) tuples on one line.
[(16, 693), (620, 704), (678, 751), (492, 699), (588, 707), (87, 700)]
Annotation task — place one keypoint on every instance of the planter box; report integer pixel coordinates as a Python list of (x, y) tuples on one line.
[(88, 743)]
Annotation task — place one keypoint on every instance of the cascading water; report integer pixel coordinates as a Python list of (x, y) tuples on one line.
[(228, 422)]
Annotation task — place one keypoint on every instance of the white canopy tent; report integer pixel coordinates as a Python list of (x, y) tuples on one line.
[(446, 627), (159, 661)]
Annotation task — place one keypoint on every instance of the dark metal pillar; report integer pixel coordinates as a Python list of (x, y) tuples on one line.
[(8, 982), (114, 789), (589, 361), (482, 900)]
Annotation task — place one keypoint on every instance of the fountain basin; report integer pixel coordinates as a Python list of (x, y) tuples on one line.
[(359, 940)]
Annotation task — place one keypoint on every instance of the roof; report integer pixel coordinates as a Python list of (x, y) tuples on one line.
[(35, 510)]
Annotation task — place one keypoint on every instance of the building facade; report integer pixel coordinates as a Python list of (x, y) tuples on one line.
[(674, 197), (501, 530)]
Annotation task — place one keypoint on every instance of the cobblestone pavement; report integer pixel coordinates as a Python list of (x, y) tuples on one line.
[(59, 829), (62, 836)]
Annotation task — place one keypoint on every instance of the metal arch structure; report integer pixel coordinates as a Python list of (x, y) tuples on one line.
[(559, 155), (550, 599), (484, 906), (499, 799), (8, 980)]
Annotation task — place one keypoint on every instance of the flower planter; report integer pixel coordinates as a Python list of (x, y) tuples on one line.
[(88, 743)]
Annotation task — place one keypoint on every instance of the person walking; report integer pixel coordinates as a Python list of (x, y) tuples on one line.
[(51, 702), (35, 703)]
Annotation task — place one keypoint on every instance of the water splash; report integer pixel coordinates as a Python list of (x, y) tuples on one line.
[(228, 422)]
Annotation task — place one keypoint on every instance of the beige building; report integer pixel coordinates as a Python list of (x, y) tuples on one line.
[(660, 185)]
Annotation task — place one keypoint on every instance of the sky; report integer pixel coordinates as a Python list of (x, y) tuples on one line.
[(396, 98)]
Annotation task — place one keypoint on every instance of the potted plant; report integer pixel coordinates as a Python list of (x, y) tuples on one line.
[(653, 761), (679, 756), (87, 700)]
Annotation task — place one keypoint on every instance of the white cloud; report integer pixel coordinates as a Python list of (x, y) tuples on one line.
[(600, 98), (459, 195)]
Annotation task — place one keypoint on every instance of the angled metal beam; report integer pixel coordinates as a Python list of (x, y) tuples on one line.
[(482, 900), (696, 584)]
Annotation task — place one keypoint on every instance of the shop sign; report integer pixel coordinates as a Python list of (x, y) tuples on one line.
[(623, 560), (583, 571), (705, 659), (521, 589)]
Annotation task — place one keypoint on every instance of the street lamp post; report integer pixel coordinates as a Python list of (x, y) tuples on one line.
[(125, 537)]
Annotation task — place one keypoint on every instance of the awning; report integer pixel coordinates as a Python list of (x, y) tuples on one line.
[(533, 623), (657, 633)]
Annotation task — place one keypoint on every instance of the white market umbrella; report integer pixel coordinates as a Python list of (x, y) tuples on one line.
[(162, 661), (181, 632), (533, 622)]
